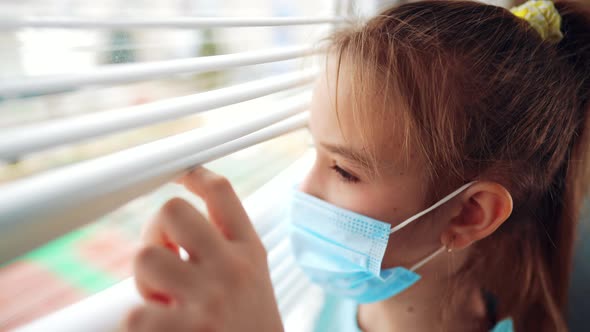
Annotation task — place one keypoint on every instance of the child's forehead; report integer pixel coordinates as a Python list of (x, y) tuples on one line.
[(341, 115)]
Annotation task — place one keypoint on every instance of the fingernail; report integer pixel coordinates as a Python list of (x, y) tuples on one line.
[(171, 246), (161, 298)]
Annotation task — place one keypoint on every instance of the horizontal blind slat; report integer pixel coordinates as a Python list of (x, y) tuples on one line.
[(103, 311), (125, 73), (278, 252), (281, 269), (283, 287), (176, 23), (98, 186), (274, 236), (17, 141), (289, 298)]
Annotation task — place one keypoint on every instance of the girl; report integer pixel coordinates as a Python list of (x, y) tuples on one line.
[(475, 111)]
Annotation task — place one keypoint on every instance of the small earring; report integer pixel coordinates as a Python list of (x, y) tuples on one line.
[(449, 249)]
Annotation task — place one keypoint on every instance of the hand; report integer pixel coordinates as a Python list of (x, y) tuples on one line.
[(225, 284)]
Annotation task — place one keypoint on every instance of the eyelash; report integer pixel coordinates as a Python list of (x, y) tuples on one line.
[(344, 175)]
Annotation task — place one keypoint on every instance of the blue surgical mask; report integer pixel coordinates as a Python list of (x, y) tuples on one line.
[(342, 251)]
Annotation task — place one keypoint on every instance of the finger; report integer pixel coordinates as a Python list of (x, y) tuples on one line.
[(224, 206), (153, 318), (152, 233), (160, 274), (180, 223)]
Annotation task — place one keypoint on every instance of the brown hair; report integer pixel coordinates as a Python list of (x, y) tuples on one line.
[(480, 95)]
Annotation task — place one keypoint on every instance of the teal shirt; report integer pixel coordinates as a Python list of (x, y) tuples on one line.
[(340, 315)]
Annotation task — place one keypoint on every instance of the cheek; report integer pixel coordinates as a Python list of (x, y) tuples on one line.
[(406, 246), (412, 243), (362, 199), (388, 203)]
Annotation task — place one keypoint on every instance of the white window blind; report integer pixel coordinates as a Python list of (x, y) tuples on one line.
[(104, 311), (37, 207)]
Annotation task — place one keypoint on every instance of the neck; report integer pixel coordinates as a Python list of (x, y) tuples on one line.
[(429, 305)]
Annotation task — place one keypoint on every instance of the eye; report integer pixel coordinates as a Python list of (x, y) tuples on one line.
[(344, 175)]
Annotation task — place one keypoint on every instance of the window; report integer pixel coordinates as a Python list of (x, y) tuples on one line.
[(76, 86)]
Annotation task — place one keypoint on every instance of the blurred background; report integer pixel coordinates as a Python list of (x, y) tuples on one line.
[(95, 257)]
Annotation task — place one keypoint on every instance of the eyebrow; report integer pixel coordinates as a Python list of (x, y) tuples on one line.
[(360, 158)]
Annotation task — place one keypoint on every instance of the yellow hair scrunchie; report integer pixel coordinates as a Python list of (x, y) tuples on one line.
[(543, 17)]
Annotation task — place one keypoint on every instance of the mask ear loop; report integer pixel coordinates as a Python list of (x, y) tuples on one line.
[(437, 204), (428, 258), (448, 248)]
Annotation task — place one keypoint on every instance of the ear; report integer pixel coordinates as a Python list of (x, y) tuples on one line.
[(483, 208)]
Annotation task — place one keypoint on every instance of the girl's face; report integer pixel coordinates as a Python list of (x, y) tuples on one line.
[(340, 175)]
